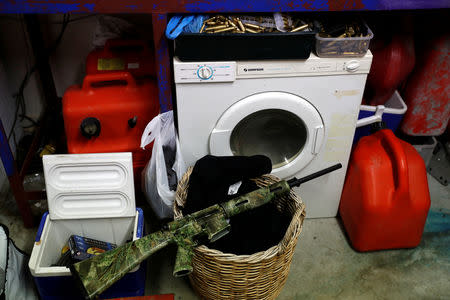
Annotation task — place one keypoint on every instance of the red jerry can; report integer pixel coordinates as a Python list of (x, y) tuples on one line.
[(108, 113), (385, 200), (133, 56)]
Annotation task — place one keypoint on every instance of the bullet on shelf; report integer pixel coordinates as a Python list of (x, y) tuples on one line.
[(232, 24), (216, 27), (251, 30), (253, 26), (210, 20), (224, 30), (300, 28), (241, 26), (203, 27)]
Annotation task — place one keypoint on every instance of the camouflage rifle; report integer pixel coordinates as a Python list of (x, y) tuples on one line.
[(98, 273)]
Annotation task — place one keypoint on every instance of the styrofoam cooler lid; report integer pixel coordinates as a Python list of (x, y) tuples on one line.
[(83, 186)]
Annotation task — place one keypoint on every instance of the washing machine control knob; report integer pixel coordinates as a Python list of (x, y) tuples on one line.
[(352, 65), (204, 72)]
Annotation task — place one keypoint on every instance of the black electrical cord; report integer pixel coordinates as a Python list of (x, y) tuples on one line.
[(19, 96), (31, 120)]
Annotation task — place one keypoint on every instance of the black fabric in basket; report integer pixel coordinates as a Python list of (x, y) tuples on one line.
[(213, 175), (251, 232)]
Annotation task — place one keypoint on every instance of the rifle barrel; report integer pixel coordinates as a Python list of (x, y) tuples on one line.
[(297, 182)]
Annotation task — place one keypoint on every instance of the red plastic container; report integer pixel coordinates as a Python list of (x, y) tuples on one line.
[(108, 113), (427, 92), (385, 200), (133, 56), (392, 63)]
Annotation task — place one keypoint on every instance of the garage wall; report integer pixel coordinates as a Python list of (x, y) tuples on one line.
[(17, 57), (67, 62)]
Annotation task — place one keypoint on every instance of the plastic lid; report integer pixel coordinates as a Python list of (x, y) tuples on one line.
[(85, 186)]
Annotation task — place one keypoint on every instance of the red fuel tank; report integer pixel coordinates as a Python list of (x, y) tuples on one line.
[(427, 93), (392, 63), (108, 113), (133, 56), (385, 200)]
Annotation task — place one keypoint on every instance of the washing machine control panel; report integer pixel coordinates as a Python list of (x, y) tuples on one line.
[(204, 72)]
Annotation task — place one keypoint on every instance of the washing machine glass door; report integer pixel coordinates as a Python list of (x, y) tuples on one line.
[(285, 127)]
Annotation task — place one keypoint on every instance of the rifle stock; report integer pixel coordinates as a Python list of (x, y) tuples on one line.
[(98, 273)]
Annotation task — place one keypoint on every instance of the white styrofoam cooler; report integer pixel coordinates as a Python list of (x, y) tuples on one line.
[(91, 195)]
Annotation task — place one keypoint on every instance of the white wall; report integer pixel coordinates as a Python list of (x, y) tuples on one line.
[(81, 37), (15, 59), (68, 60), (67, 64)]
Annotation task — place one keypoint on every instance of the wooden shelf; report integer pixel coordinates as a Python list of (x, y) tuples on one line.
[(196, 6)]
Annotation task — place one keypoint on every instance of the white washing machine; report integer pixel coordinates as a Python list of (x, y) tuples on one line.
[(300, 113)]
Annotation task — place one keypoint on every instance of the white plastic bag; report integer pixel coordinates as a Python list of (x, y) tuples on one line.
[(109, 27), (16, 282), (155, 183)]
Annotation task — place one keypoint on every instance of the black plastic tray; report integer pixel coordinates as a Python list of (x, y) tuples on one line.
[(244, 46)]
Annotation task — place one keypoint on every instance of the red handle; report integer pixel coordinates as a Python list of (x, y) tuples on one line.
[(399, 163), (119, 43), (108, 77)]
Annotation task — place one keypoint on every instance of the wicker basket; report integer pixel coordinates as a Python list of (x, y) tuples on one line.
[(262, 275)]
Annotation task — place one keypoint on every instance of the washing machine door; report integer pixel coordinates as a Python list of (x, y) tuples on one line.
[(285, 127)]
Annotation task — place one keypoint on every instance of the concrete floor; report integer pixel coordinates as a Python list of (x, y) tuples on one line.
[(324, 265)]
